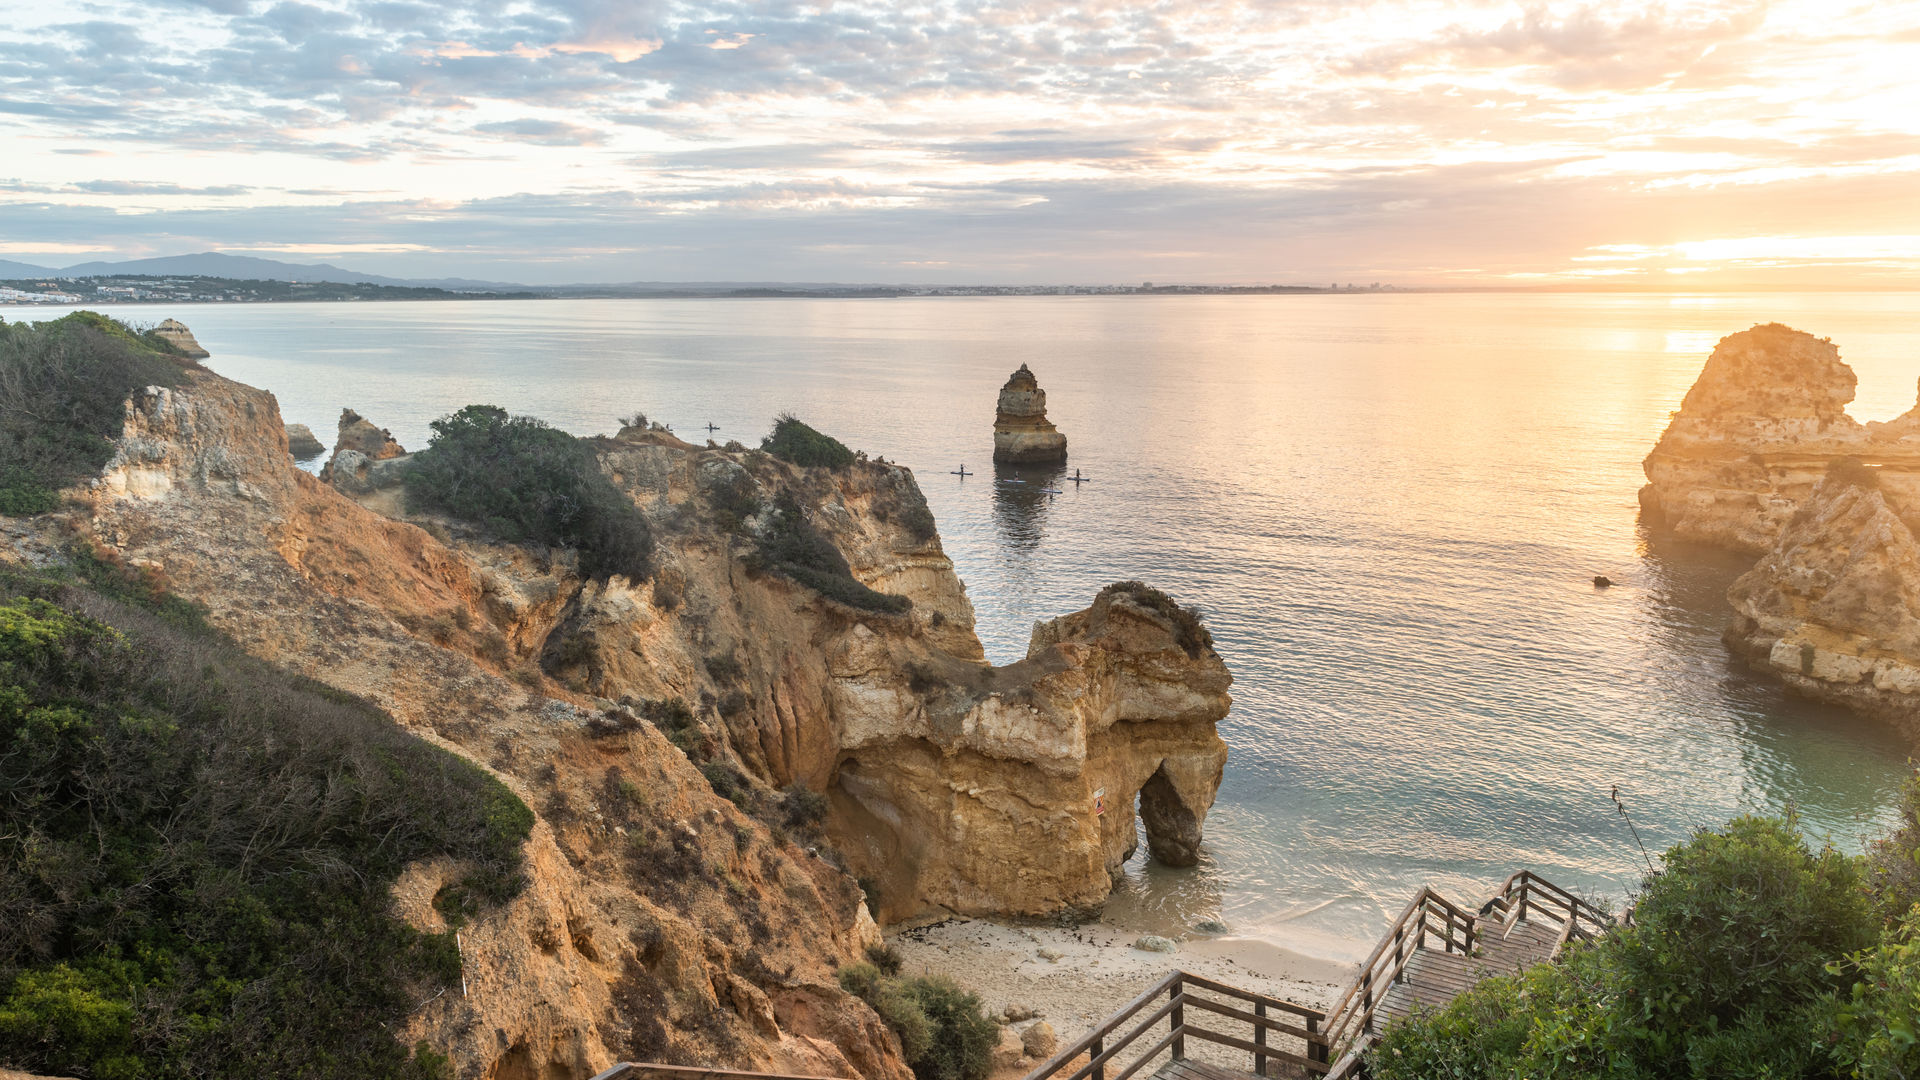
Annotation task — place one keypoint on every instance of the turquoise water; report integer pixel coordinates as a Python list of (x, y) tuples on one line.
[(1390, 508)]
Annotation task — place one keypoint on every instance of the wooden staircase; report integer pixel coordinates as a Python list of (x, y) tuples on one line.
[(1433, 952)]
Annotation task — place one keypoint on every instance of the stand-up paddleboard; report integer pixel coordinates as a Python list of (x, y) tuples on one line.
[(1009, 481), (1053, 491), (961, 471), (711, 426)]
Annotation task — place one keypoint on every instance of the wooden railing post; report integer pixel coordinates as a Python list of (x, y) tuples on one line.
[(1093, 1053), (1366, 1000), (1178, 1018), (1315, 1051), (1260, 1038)]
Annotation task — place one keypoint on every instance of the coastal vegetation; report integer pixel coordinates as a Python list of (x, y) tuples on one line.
[(797, 444), (63, 391), (1189, 631), (789, 545), (197, 849), (1750, 954), (943, 1032), (524, 482)]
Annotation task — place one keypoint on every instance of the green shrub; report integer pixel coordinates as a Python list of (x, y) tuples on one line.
[(885, 957), (730, 784), (943, 1033), (524, 482), (963, 1037), (723, 668), (63, 392), (802, 808), (1893, 870), (795, 443), (790, 546), (1188, 631), (198, 851), (1879, 1021), (1742, 920)]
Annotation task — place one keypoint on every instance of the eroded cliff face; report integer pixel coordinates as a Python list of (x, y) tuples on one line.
[(662, 921), (1762, 457), (1022, 434), (1756, 434), (1833, 609)]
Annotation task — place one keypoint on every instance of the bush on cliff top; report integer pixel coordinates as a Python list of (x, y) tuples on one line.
[(1738, 964), (63, 390), (524, 482), (797, 444), (790, 546), (1188, 631), (197, 851)]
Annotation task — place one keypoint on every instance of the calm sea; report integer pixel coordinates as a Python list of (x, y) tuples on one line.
[(1390, 508)]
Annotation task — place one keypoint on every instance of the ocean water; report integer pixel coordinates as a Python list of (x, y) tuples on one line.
[(1390, 508)]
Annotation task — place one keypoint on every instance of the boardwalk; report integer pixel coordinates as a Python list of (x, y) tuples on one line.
[(1434, 978)]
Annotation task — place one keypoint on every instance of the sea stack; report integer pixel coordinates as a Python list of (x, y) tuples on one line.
[(176, 334), (1021, 433), (303, 444)]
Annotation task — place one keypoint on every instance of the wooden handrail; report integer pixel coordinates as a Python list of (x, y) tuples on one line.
[(1350, 1021), (1105, 1043), (637, 1070)]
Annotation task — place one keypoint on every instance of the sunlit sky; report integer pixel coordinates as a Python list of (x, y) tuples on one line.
[(1413, 142)]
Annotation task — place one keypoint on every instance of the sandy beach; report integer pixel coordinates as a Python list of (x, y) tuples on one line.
[(1075, 976)]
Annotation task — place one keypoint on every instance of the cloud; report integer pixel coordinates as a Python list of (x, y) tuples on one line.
[(542, 132), (640, 122)]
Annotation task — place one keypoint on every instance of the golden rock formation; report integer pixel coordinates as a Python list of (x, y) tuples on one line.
[(1021, 431), (662, 921)]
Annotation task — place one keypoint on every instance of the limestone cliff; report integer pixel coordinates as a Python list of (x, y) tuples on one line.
[(1756, 433), (651, 724), (1834, 608), (1021, 432), (1763, 457), (660, 921)]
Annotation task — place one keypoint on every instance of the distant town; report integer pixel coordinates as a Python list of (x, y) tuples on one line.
[(152, 289)]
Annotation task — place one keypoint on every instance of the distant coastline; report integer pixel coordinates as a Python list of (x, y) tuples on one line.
[(59, 289), (199, 289)]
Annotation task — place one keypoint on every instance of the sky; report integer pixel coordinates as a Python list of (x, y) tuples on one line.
[(1681, 145)]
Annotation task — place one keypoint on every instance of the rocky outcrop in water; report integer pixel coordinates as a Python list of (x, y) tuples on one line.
[(358, 434), (1833, 609), (1756, 434), (1763, 457), (175, 333), (661, 728), (302, 443), (1021, 431)]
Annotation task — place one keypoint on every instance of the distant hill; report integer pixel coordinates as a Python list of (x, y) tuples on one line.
[(250, 268), (11, 269)]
